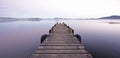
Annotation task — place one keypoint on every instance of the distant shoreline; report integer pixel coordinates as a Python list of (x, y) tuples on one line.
[(113, 22), (111, 17)]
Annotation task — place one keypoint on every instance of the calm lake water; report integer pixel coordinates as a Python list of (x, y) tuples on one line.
[(20, 39)]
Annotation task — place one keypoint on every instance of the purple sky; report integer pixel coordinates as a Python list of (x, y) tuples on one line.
[(59, 8)]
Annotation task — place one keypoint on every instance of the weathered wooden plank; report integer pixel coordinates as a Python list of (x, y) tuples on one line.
[(82, 51), (61, 56), (61, 47)]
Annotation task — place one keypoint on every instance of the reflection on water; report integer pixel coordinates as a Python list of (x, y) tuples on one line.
[(20, 39)]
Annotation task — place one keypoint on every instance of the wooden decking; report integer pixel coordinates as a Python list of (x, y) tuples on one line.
[(61, 43)]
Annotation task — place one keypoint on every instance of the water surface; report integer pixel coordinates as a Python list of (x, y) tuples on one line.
[(20, 39)]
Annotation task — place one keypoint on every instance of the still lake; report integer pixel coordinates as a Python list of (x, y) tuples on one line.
[(20, 39)]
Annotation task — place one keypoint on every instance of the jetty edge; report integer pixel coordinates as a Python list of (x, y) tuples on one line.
[(61, 43)]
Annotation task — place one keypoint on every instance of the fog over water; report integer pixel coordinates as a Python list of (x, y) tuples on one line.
[(59, 8), (19, 39)]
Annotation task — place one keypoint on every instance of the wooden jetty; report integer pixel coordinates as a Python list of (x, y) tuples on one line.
[(61, 43)]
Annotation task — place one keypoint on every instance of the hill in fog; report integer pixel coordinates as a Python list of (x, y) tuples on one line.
[(9, 19), (111, 17)]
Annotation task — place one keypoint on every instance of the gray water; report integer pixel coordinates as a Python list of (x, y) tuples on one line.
[(20, 39)]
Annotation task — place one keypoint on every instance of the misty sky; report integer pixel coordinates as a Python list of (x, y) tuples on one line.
[(59, 8)]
